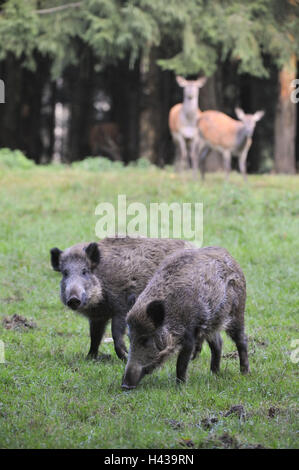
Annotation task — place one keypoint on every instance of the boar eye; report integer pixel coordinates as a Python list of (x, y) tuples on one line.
[(84, 271), (65, 272)]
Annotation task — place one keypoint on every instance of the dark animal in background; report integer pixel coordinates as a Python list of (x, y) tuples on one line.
[(101, 280), (105, 139), (219, 132), (192, 296)]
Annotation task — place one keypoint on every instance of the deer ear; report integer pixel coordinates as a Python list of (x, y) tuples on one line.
[(93, 253), (240, 113), (200, 82), (156, 312), (55, 258), (258, 115), (181, 81)]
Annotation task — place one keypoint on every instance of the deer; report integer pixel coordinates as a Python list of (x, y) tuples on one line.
[(183, 119), (218, 131)]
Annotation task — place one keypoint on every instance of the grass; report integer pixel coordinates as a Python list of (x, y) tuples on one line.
[(50, 397)]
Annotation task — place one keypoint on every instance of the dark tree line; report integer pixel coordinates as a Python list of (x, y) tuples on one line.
[(98, 77)]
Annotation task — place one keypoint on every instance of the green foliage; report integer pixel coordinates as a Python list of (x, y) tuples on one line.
[(141, 163), (14, 159), (98, 164), (195, 35), (19, 31)]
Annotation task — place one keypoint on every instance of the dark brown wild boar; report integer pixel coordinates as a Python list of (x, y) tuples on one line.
[(192, 296), (100, 279)]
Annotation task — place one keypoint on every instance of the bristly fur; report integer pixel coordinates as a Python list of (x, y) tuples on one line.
[(203, 291), (118, 270)]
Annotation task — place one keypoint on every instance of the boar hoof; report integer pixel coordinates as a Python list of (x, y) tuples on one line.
[(96, 357), (126, 387), (245, 370), (180, 381)]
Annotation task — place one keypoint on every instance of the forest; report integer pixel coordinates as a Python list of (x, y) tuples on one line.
[(119, 267), (97, 77)]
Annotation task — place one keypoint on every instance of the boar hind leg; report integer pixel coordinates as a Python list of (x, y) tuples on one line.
[(237, 334), (118, 330), (97, 329), (184, 357), (215, 344), (198, 346)]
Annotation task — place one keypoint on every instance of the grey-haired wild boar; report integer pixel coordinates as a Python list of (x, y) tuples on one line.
[(101, 280), (192, 296)]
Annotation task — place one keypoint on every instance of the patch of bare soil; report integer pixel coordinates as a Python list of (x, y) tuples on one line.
[(18, 322), (231, 355), (207, 423), (174, 424), (185, 442), (238, 410), (273, 411)]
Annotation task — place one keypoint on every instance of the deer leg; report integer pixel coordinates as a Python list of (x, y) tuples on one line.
[(180, 151), (202, 156), (183, 154), (243, 159), (194, 156), (227, 157)]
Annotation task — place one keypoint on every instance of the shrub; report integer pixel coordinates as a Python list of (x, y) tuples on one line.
[(14, 159), (97, 164)]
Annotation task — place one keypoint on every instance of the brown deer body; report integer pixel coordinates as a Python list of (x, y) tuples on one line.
[(183, 119), (220, 132)]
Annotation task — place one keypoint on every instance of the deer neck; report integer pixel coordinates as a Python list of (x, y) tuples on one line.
[(190, 111)]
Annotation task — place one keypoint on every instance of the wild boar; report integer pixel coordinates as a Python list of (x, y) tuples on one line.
[(100, 279), (192, 296)]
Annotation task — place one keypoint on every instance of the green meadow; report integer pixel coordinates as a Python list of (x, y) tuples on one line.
[(51, 397)]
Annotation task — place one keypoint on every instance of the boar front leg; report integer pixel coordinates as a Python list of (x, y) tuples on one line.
[(118, 328), (184, 357), (97, 330)]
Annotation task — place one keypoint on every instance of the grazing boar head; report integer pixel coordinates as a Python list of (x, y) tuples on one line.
[(150, 341)]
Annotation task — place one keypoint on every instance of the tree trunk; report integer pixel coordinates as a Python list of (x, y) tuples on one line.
[(285, 122), (123, 85), (31, 111), (149, 116), (155, 105), (81, 84)]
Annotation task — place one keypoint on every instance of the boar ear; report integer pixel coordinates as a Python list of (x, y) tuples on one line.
[(93, 253), (55, 258), (156, 312)]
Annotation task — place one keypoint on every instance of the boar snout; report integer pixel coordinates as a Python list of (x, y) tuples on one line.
[(132, 377), (74, 301)]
